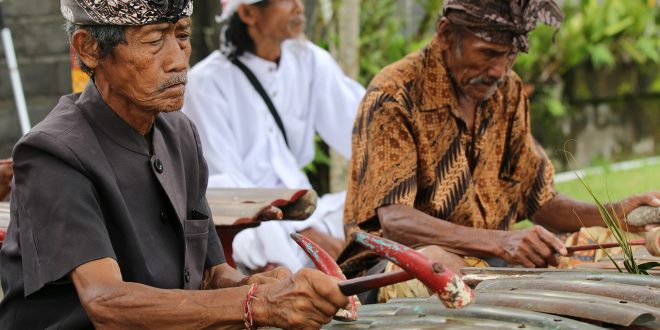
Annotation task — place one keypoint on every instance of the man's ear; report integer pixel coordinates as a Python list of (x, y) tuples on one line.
[(247, 14), (86, 48), (444, 34)]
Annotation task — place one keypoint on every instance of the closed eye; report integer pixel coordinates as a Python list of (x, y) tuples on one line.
[(184, 36), (493, 53)]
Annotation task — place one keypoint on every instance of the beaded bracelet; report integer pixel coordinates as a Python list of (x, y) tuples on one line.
[(247, 317)]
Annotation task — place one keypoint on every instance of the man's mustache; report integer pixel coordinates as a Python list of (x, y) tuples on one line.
[(178, 79), (486, 81)]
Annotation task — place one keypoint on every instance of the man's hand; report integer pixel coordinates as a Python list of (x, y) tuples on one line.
[(307, 300), (627, 205), (532, 248), (270, 277), (6, 174)]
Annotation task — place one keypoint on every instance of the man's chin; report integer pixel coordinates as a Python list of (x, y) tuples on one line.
[(171, 106), (296, 30), (169, 100), (482, 94)]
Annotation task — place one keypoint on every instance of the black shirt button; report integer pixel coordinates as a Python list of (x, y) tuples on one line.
[(163, 217), (158, 165), (186, 275)]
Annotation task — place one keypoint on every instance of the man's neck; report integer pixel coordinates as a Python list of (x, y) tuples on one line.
[(467, 108), (270, 53), (267, 48), (142, 121)]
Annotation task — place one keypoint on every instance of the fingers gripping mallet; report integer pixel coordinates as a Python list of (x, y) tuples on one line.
[(651, 242), (451, 289), (453, 292)]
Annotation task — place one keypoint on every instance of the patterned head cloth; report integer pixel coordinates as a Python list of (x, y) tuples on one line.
[(124, 12), (503, 21)]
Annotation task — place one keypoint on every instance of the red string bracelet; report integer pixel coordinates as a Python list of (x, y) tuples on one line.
[(247, 317)]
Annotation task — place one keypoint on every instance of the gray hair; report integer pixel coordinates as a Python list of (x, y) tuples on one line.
[(106, 36)]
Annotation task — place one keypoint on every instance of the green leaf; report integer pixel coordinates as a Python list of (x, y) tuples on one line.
[(655, 87), (601, 56), (556, 107), (649, 47), (619, 27), (648, 265), (632, 51)]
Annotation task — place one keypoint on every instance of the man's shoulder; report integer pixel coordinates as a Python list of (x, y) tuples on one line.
[(396, 82), (64, 117), (302, 47), (398, 74), (307, 52), (64, 130)]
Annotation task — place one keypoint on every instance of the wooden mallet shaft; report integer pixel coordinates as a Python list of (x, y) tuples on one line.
[(651, 242), (366, 283), (589, 247)]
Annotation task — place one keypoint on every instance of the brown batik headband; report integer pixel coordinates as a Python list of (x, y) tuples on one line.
[(125, 12), (500, 21)]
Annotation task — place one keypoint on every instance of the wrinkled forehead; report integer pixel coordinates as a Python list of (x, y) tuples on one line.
[(123, 12)]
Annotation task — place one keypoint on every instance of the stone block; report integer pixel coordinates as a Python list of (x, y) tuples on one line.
[(10, 130), (46, 37), (38, 78), (22, 8)]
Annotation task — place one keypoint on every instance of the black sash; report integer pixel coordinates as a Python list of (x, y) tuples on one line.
[(264, 96)]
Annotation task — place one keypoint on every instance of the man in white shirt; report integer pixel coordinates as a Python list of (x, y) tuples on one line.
[(248, 143)]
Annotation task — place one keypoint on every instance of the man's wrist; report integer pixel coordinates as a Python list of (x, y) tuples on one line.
[(248, 316), (495, 242), (260, 317)]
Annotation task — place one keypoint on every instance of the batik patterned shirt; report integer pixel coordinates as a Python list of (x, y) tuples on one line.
[(412, 147)]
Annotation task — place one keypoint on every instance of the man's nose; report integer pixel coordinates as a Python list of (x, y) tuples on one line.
[(177, 57), (299, 7)]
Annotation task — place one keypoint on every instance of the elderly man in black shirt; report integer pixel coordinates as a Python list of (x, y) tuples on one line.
[(110, 225)]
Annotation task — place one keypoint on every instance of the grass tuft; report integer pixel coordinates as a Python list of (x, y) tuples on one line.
[(613, 223)]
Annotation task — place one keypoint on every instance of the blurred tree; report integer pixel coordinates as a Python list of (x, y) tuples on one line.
[(597, 34), (205, 29)]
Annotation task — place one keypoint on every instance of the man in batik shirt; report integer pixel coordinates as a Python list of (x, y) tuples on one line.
[(110, 227), (443, 155)]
